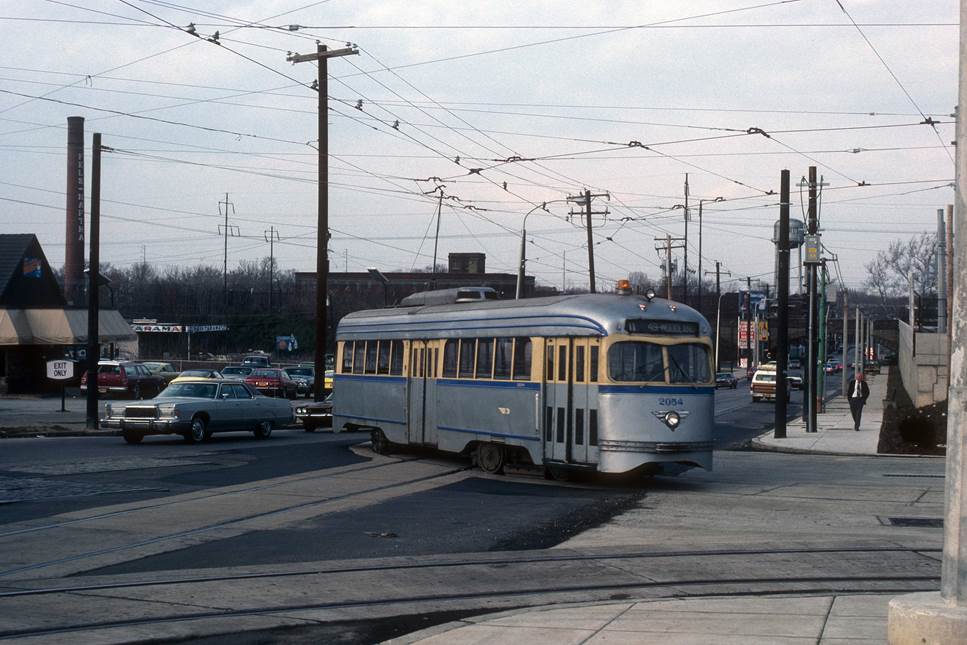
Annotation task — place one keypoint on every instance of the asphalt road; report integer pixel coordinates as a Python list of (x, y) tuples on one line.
[(96, 509)]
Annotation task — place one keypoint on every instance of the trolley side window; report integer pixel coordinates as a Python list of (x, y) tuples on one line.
[(371, 356), (485, 358), (468, 348), (396, 358), (347, 357), (636, 361), (359, 352), (579, 364), (503, 357), (382, 362), (594, 364), (688, 363), (450, 359), (522, 359)]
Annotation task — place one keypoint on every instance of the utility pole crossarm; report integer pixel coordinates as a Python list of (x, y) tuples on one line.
[(326, 53)]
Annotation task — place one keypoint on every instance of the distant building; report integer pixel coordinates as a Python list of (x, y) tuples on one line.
[(354, 291), (35, 325)]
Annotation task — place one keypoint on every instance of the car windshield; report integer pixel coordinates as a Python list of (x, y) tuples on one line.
[(766, 378), (237, 370), (266, 373), (299, 371), (723, 375), (191, 390)]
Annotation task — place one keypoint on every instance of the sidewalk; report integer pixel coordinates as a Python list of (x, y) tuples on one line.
[(32, 416), (773, 620), (834, 427)]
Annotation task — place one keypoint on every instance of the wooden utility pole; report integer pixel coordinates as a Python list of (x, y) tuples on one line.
[(665, 246), (322, 56), (718, 308), (782, 289), (584, 199), (271, 235), (228, 230), (93, 285)]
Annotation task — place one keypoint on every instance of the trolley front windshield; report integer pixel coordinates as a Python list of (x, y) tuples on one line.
[(642, 361)]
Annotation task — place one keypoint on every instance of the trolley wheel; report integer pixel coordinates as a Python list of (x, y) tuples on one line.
[(491, 458), (132, 437), (381, 445)]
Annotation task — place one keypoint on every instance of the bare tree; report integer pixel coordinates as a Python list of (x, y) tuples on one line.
[(888, 274)]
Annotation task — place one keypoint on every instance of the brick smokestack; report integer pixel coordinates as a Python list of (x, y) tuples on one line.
[(74, 252)]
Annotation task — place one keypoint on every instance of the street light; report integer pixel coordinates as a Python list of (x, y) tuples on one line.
[(718, 323), (523, 246), (700, 274), (376, 273)]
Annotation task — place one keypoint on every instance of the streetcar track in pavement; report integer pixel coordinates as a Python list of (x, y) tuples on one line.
[(459, 564), (229, 522), (348, 469), (783, 585)]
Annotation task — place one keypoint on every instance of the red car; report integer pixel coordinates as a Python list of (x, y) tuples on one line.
[(126, 379), (272, 381)]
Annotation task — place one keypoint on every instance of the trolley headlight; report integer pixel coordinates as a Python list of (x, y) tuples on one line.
[(672, 419)]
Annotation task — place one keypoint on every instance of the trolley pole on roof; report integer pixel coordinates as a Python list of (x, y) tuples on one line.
[(322, 56)]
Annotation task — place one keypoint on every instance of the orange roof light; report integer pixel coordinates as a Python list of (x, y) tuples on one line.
[(624, 287)]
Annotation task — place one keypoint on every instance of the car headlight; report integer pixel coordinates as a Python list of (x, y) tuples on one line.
[(672, 419), (167, 411), (300, 410)]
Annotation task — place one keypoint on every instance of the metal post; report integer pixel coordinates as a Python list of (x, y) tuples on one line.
[(668, 266), (685, 270), (857, 355), (520, 263), (782, 295), (701, 276), (93, 278), (587, 205), (845, 341), (821, 349), (813, 357), (748, 330), (941, 273), (718, 328), (436, 237)]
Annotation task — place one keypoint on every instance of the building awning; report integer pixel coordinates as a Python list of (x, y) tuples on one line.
[(60, 327)]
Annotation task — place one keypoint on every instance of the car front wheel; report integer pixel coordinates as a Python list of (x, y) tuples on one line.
[(199, 431)]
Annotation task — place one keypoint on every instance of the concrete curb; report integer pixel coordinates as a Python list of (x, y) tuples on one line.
[(759, 446), (27, 432)]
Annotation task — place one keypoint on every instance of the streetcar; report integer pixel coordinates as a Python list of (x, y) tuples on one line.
[(612, 383)]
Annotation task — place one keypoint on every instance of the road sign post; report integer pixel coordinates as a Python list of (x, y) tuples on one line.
[(61, 370)]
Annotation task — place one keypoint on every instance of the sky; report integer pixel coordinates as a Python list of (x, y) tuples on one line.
[(503, 107)]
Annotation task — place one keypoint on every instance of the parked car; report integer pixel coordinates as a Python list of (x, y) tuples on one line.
[(726, 379), (167, 371), (127, 379), (187, 374), (763, 384), (273, 382), (316, 414), (236, 371), (795, 382), (196, 408), (257, 360), (304, 377)]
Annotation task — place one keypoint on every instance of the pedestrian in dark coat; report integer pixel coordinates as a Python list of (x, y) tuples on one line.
[(857, 392)]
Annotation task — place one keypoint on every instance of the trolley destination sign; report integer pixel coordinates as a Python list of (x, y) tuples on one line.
[(661, 327)]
